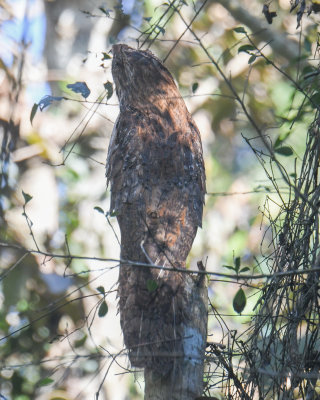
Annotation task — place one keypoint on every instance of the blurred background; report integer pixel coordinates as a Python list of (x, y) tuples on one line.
[(60, 335)]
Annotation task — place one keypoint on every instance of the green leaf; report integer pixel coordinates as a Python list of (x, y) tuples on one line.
[(151, 285), (22, 305), (26, 197), (252, 59), (245, 269), (240, 29), (103, 309), (161, 30), (307, 45), (80, 342), (245, 48), (148, 19), (281, 138), (47, 100), (308, 69), (229, 267), (278, 142), (284, 151), (239, 301), (80, 87), (195, 86), (105, 56), (45, 382), (19, 397), (105, 11), (113, 213), (315, 99), (101, 290), (109, 88), (99, 209), (237, 263), (33, 111)]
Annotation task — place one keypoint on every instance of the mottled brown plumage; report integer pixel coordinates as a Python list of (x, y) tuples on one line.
[(155, 168)]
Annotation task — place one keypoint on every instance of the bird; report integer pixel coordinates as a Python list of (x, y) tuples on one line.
[(156, 174)]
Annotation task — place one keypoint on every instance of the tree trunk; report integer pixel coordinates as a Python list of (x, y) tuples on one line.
[(185, 380)]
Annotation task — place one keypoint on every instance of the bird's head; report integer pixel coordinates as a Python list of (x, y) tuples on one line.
[(140, 77)]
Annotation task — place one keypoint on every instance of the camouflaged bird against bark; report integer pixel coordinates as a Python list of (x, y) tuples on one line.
[(156, 173)]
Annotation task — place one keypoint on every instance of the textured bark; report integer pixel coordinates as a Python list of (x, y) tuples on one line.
[(185, 382), (156, 171)]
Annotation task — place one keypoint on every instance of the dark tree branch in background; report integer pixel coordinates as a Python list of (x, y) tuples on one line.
[(281, 44)]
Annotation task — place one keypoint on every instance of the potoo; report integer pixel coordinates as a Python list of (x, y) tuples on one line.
[(156, 172)]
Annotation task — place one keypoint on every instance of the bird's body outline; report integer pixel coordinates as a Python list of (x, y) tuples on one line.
[(156, 172)]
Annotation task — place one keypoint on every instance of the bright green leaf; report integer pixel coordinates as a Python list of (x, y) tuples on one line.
[(151, 285), (21, 397), (45, 382), (278, 142), (22, 305), (33, 111), (26, 197), (239, 301), (103, 309), (284, 151), (281, 138)]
